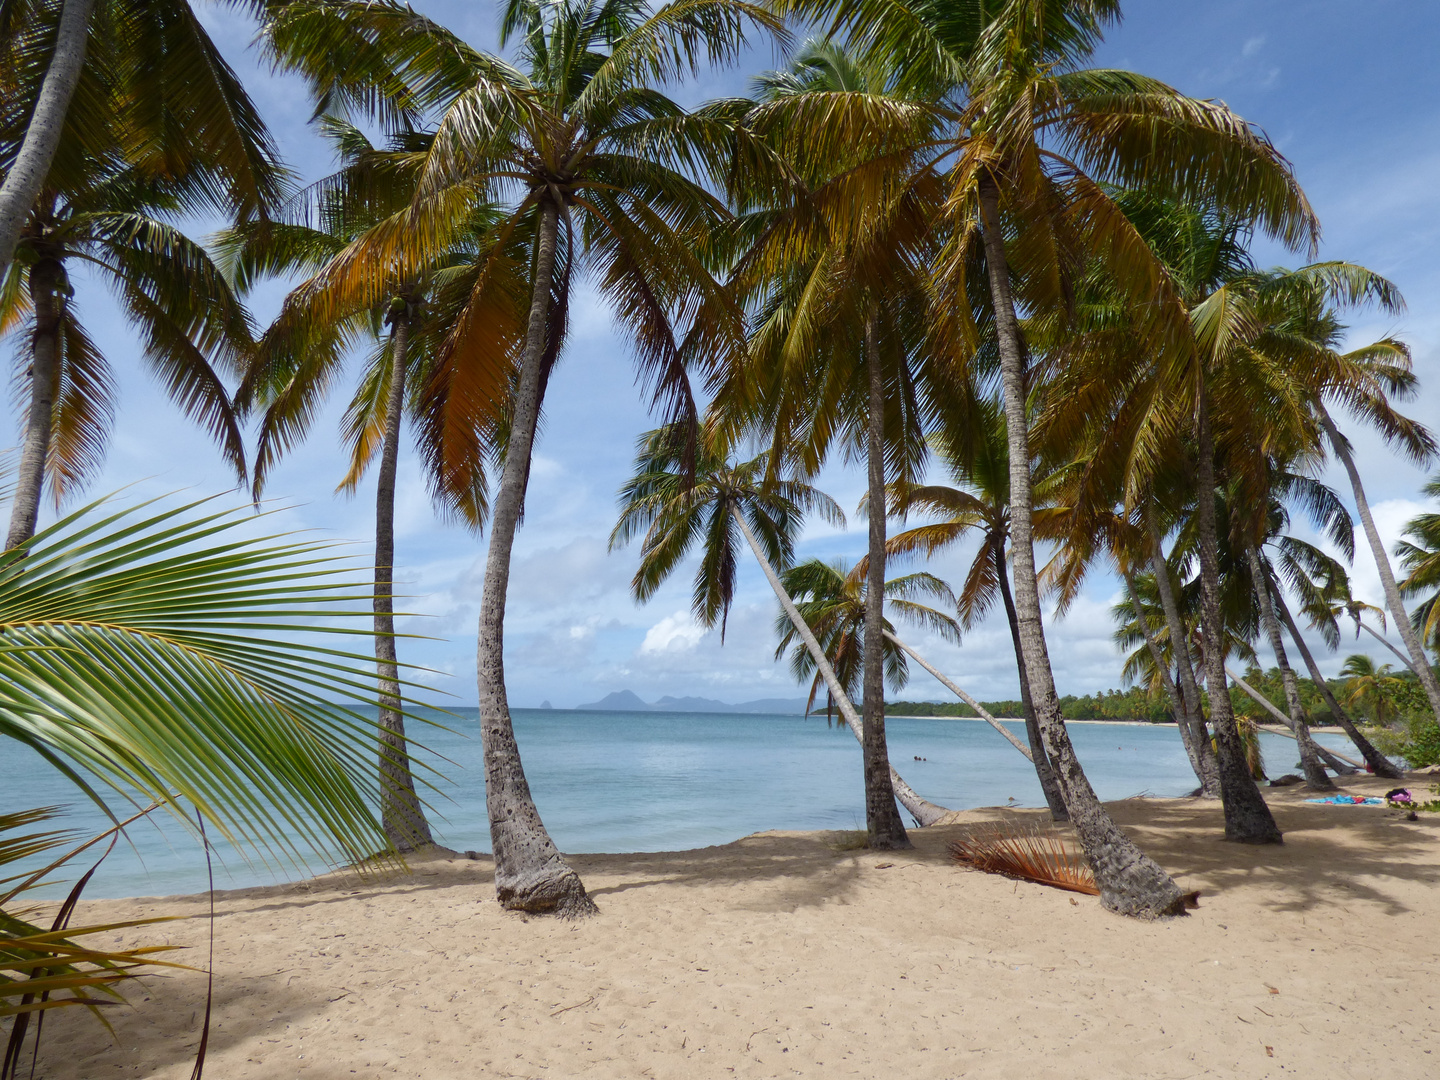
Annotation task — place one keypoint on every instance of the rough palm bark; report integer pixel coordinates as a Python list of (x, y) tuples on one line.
[(1315, 778), (1130, 882), (1247, 818), (1172, 691), (922, 810), (401, 814), (530, 873), (42, 133), (46, 280), (1419, 662), (1044, 771), (882, 816), (1189, 685), (1378, 763), (945, 681)]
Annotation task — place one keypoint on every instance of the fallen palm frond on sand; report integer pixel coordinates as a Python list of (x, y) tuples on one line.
[(1026, 854)]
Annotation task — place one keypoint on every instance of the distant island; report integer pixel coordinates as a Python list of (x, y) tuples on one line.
[(629, 701)]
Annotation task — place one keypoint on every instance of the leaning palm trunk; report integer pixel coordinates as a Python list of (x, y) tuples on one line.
[(882, 816), (45, 278), (1315, 778), (1419, 662), (1409, 666), (985, 713), (1378, 763), (1338, 762), (1189, 686), (1130, 882), (42, 134), (922, 810), (1247, 818), (530, 873), (400, 810), (1177, 702), (1044, 772)]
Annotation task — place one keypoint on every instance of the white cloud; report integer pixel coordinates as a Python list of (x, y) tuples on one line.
[(674, 633)]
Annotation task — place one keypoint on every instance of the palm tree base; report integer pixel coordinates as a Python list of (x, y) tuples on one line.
[(555, 890)]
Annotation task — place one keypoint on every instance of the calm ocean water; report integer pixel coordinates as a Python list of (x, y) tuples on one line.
[(614, 781)]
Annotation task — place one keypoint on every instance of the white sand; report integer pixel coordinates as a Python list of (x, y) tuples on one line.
[(778, 955)]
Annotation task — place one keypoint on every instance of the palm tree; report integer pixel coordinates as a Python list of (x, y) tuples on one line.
[(831, 599), (1035, 139), (296, 361), (1163, 661), (980, 462), (839, 296), (600, 167), (162, 127), (672, 503), (189, 322), (1370, 687), (147, 72)]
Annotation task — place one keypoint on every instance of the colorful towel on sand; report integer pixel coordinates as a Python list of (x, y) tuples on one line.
[(1350, 800)]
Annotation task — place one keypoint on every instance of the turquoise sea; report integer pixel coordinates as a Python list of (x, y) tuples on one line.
[(617, 781)]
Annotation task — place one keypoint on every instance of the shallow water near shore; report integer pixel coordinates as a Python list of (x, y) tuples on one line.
[(619, 782)]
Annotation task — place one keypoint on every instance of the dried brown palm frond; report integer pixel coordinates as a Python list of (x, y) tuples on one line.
[(1027, 854)]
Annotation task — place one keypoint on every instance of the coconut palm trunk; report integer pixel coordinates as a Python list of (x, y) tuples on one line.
[(944, 681), (1419, 662), (1043, 769), (1390, 645), (882, 816), (922, 810), (530, 873), (1172, 691), (1247, 818), (400, 810), (1130, 882), (46, 278), (1315, 778), (1379, 764), (1189, 686), (42, 133)]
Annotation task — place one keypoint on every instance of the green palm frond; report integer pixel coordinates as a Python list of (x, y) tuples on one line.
[(170, 653)]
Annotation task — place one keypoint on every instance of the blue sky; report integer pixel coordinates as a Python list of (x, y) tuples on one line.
[(1349, 93)]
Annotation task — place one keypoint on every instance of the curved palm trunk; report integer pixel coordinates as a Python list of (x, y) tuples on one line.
[(882, 816), (985, 713), (530, 873), (45, 278), (1043, 769), (42, 134), (1419, 662), (1378, 763), (1247, 818), (1130, 882), (1177, 702), (400, 810), (1315, 778), (1189, 686), (923, 811)]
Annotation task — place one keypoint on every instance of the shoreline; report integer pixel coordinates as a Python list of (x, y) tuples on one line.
[(785, 953)]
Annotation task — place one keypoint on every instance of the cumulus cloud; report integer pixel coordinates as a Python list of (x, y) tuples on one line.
[(674, 633)]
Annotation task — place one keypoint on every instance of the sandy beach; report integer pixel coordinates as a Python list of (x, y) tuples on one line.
[(782, 954)]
